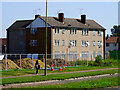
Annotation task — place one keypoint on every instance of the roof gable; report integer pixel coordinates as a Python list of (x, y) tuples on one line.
[(38, 22)]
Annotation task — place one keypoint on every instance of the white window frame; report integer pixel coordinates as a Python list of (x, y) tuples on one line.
[(63, 42), (85, 53), (93, 43), (63, 31), (85, 43), (56, 42), (56, 30), (73, 42), (85, 32), (63, 54), (93, 33), (100, 53), (57, 54), (99, 44), (73, 31), (99, 33)]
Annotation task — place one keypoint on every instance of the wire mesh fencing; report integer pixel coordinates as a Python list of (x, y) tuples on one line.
[(27, 61)]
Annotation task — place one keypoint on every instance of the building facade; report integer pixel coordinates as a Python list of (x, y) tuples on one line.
[(65, 36), (113, 44)]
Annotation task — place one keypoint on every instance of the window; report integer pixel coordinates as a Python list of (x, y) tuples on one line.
[(63, 55), (115, 44), (56, 30), (93, 33), (99, 44), (73, 55), (63, 42), (72, 31), (93, 43), (85, 43), (63, 31), (57, 54), (21, 43), (99, 33), (107, 44), (33, 42), (85, 32), (72, 42), (56, 42), (33, 31), (100, 54), (85, 54), (94, 54)]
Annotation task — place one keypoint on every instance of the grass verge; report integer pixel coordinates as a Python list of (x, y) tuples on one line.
[(68, 69), (54, 77), (98, 83)]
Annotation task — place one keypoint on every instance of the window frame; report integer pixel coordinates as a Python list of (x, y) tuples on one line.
[(33, 42), (63, 42), (33, 31), (85, 32), (56, 43), (56, 31)]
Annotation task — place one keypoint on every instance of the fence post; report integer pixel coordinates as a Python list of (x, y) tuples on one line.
[(6, 61), (43, 59), (87, 61), (32, 62), (20, 63)]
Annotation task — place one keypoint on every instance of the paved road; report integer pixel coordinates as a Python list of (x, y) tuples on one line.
[(34, 84), (63, 72)]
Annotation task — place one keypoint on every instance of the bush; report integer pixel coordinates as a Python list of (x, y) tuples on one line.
[(99, 61), (81, 62)]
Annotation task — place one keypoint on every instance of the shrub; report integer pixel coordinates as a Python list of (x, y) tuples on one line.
[(99, 61)]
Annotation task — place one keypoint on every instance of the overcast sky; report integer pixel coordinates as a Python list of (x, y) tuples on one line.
[(104, 13)]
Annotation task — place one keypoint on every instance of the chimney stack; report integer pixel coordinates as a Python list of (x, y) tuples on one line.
[(83, 19), (37, 16), (61, 17)]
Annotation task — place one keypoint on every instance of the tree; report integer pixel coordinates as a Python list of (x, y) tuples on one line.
[(115, 30)]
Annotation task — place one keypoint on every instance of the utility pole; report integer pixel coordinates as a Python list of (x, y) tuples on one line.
[(46, 43)]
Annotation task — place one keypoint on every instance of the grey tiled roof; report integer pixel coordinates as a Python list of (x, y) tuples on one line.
[(20, 24), (91, 24), (54, 22)]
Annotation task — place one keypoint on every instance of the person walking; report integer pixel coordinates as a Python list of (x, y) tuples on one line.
[(37, 66)]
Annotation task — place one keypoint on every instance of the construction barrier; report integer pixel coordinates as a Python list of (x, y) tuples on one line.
[(52, 67), (60, 68), (63, 66)]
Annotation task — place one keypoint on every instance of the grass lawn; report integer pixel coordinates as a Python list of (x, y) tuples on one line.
[(98, 83), (68, 69), (54, 77)]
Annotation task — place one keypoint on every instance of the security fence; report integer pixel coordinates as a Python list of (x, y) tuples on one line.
[(27, 61)]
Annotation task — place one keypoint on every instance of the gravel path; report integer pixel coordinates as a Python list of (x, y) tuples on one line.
[(34, 84), (63, 72)]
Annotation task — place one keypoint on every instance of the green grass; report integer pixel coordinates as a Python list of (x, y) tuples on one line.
[(68, 69), (55, 77), (98, 83)]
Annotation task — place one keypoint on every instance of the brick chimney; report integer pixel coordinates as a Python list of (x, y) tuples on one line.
[(37, 16), (83, 19), (61, 17)]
